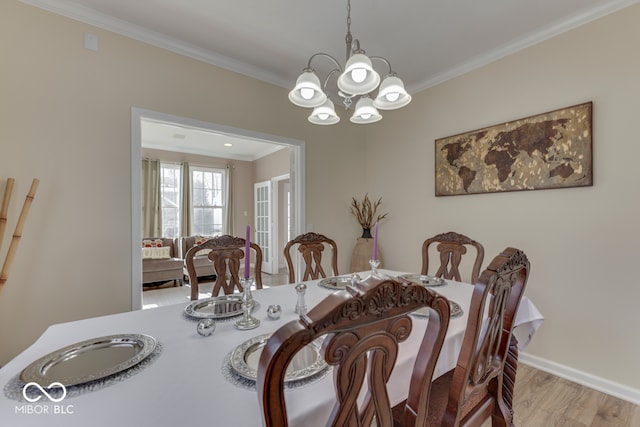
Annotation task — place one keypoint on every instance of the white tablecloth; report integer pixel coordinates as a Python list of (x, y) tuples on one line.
[(185, 384)]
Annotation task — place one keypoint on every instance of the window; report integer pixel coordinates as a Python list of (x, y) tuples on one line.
[(170, 203), (207, 201)]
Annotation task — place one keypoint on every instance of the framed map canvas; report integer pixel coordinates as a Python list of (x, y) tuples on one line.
[(550, 150)]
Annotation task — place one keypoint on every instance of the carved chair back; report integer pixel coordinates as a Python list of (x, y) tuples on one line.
[(225, 253), (452, 246), (311, 246), (480, 386), (362, 327)]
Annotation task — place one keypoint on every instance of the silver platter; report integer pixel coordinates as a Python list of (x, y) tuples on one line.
[(215, 307), (90, 360), (424, 280), (335, 283), (454, 307), (306, 363)]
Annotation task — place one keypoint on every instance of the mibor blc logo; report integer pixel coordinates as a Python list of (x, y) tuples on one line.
[(45, 392), (38, 400)]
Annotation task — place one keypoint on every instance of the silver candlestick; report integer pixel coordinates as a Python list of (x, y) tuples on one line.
[(247, 321), (301, 306), (374, 263), (355, 279), (247, 295)]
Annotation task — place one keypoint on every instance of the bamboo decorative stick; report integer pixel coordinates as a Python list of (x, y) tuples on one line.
[(5, 207), (17, 234)]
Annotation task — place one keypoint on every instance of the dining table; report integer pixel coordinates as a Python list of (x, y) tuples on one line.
[(188, 379)]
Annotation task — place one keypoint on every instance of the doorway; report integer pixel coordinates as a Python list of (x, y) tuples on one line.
[(296, 179), (272, 220)]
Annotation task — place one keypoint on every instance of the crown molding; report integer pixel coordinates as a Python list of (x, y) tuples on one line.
[(522, 43), (89, 16)]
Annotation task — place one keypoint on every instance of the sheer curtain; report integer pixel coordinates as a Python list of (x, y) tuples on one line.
[(185, 203), (228, 202), (151, 208)]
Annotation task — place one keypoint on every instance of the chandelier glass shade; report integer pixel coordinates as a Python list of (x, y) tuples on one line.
[(324, 114), (308, 91), (365, 112), (358, 78), (391, 94)]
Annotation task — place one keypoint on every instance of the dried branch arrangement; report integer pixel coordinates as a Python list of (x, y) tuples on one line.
[(17, 234), (365, 211)]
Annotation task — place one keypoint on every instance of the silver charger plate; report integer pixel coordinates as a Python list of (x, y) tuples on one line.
[(215, 307), (454, 307), (90, 360), (335, 283), (306, 363), (424, 280)]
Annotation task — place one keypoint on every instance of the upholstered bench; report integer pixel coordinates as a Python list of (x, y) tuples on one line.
[(160, 261)]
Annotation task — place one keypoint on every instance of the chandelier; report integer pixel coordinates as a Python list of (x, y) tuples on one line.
[(357, 78)]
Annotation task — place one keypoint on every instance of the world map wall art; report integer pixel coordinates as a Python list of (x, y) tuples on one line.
[(550, 150)]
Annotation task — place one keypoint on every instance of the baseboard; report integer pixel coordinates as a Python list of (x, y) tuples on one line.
[(603, 385)]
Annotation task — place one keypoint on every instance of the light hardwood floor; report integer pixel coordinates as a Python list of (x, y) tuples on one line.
[(541, 399)]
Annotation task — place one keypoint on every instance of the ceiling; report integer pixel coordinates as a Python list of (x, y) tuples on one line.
[(426, 41), (185, 138)]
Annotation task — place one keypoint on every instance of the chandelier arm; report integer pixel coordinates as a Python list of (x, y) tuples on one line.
[(348, 39), (326, 55), (380, 58), (326, 80), (354, 47)]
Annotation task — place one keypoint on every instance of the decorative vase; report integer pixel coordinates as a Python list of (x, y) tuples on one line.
[(366, 233), (362, 253)]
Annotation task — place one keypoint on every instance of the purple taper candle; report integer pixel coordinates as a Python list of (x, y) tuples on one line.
[(375, 242), (247, 253)]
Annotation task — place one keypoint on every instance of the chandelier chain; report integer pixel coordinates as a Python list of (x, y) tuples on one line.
[(348, 38)]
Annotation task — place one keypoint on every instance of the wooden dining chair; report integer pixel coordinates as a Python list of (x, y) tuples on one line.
[(452, 246), (481, 385), (225, 253), (362, 328), (311, 246)]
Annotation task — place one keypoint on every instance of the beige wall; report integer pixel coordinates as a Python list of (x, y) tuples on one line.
[(65, 115), (273, 165), (582, 242)]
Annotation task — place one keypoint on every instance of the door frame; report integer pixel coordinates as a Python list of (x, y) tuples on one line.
[(275, 218), (296, 172)]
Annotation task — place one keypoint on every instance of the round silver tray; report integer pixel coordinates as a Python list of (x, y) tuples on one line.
[(306, 363), (90, 360), (454, 307), (424, 280), (335, 283), (215, 307)]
